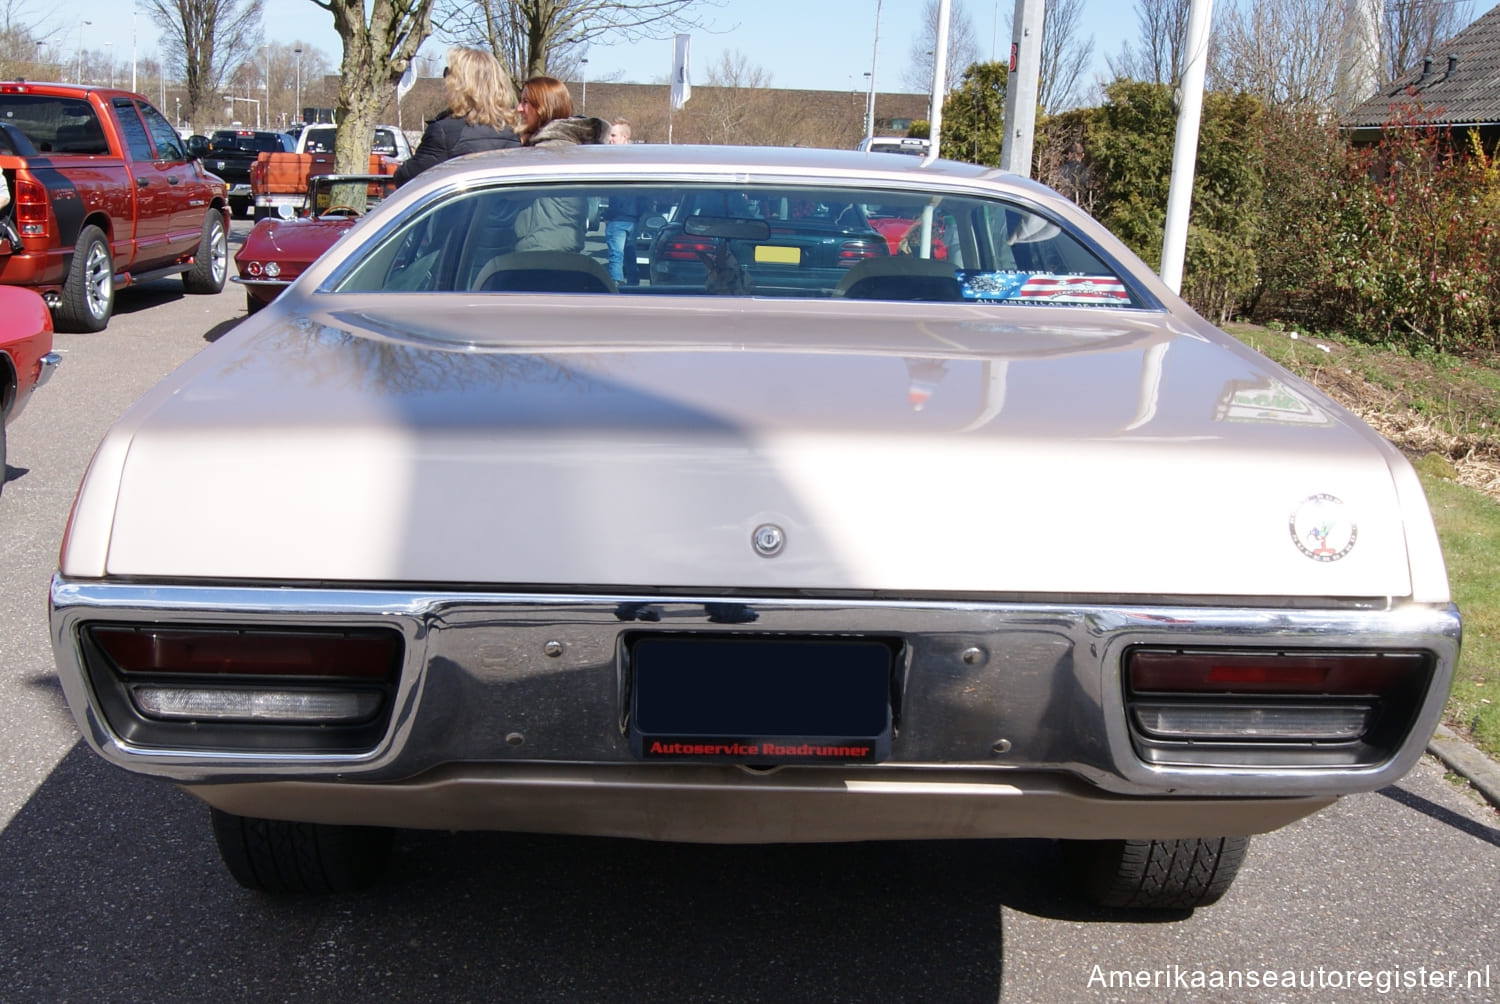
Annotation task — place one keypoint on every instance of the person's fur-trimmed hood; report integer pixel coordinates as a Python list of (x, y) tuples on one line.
[(571, 132)]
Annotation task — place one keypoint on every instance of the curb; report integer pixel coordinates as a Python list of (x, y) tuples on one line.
[(1478, 769)]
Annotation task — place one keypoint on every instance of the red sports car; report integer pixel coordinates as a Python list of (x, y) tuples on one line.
[(277, 250), (26, 356)]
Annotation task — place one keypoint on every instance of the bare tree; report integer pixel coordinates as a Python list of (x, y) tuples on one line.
[(1412, 29), (1286, 52), (282, 74), (208, 39), (532, 37), (1158, 58), (963, 49), (727, 109), (1065, 55)]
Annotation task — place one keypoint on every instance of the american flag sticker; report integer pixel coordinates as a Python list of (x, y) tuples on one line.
[(1044, 287)]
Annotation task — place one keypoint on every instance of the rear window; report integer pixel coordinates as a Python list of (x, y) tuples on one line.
[(384, 143), (320, 140), (54, 124), (741, 240)]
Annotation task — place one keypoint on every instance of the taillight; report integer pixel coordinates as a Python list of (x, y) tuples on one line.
[(31, 207), (1231, 707), (223, 651), (254, 269), (1277, 671), (686, 248), (225, 687), (851, 253)]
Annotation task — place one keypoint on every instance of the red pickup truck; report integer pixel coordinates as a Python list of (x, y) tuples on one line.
[(104, 194)]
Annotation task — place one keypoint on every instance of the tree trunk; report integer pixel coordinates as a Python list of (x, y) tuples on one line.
[(375, 55)]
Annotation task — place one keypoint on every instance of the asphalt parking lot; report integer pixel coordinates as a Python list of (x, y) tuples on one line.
[(111, 889)]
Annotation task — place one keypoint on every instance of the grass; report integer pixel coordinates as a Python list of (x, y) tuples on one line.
[(1444, 412)]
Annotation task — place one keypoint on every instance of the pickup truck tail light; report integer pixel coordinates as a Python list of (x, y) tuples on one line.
[(256, 689), (1242, 707), (31, 208)]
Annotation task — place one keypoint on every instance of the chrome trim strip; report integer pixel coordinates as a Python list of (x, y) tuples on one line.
[(987, 687), (278, 283)]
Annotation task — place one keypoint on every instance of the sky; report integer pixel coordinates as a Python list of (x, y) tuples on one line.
[(810, 44)]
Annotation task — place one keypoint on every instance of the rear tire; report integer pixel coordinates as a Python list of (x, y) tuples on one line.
[(251, 303), (87, 298), (278, 857), (1155, 874), (211, 263), (4, 473), (239, 207)]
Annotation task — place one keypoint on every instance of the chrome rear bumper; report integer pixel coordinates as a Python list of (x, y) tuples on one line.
[(496, 687)]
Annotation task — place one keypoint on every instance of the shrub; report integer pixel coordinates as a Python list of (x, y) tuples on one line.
[(1394, 243)]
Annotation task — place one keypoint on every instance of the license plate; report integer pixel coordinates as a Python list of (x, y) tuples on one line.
[(772, 255), (760, 699)]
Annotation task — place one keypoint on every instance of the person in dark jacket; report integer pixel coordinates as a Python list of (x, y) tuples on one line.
[(480, 116)]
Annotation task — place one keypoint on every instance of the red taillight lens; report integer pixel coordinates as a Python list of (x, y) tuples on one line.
[(851, 253), (31, 207), (686, 248), (254, 269), (362, 655), (1336, 674)]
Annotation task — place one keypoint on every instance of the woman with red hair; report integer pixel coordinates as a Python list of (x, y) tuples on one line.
[(545, 120)]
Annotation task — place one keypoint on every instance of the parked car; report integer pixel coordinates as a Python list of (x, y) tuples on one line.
[(231, 154), (276, 251), (897, 144), (454, 535), (105, 194), (759, 237), (26, 356), (278, 181)]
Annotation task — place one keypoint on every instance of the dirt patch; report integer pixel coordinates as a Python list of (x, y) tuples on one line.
[(1344, 372)]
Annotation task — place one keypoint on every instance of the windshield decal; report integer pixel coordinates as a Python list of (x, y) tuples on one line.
[(1044, 287)]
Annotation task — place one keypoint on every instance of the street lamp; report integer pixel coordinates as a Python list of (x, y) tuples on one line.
[(585, 64), (109, 54), (874, 58), (267, 50), (298, 109), (80, 49)]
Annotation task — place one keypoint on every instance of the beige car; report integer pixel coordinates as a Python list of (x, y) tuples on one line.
[(835, 527)]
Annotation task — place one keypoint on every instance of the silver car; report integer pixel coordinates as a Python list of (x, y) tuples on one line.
[(972, 531)]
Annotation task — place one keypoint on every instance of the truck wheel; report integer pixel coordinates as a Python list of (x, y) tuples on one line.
[(3, 473), (88, 292), (1155, 874), (211, 264), (239, 207), (278, 857)]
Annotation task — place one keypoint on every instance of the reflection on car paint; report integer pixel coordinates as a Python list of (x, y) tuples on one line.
[(1267, 401)]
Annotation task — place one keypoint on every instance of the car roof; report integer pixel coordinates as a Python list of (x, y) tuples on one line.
[(667, 162)]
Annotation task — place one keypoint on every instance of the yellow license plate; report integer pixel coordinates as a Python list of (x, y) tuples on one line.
[(777, 255)]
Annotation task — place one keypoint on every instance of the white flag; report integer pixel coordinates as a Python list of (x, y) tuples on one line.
[(682, 86), (408, 79)]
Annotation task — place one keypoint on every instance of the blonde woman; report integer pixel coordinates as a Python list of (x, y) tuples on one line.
[(480, 115)]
